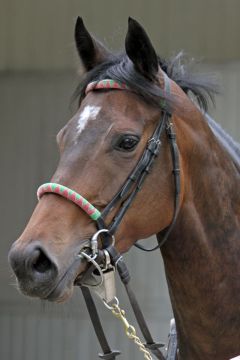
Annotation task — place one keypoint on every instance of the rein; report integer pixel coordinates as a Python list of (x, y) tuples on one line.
[(107, 259)]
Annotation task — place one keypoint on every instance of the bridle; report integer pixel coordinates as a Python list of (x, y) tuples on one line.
[(107, 259)]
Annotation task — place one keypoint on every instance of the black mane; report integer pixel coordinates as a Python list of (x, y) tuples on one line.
[(121, 69)]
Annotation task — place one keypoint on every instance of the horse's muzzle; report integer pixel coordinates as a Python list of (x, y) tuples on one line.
[(36, 272)]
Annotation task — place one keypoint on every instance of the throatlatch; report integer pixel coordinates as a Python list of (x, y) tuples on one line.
[(104, 261)]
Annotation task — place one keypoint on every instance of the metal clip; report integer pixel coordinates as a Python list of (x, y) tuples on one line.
[(172, 343), (109, 284), (107, 290), (129, 329)]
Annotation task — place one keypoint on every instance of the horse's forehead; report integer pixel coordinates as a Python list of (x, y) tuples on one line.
[(112, 105), (101, 110)]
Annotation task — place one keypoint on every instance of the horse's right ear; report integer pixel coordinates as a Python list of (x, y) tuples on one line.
[(90, 51)]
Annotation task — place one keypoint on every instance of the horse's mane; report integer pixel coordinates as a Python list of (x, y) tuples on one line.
[(179, 68)]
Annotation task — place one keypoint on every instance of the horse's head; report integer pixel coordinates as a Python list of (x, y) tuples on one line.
[(99, 147)]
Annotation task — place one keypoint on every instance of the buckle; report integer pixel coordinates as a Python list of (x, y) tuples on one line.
[(155, 141), (154, 346), (109, 356), (153, 145)]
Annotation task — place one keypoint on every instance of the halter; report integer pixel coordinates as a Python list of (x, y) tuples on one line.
[(108, 259)]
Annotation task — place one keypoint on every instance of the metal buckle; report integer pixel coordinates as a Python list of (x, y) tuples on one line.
[(105, 287), (156, 141), (154, 145), (169, 125)]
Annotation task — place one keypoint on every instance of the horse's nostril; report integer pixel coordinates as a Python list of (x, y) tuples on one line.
[(35, 268), (40, 262)]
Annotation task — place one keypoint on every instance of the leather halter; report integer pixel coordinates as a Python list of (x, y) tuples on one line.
[(128, 191)]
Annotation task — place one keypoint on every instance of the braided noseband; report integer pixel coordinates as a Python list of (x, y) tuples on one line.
[(70, 195)]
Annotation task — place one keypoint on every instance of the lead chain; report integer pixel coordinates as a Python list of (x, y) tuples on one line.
[(130, 331)]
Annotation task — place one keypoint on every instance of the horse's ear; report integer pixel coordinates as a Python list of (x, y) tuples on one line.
[(140, 49), (90, 51)]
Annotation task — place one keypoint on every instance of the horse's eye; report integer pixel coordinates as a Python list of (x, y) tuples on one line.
[(127, 143)]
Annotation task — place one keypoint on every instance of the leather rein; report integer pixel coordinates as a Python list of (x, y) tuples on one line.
[(106, 260)]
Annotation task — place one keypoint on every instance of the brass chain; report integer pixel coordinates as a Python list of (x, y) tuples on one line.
[(130, 331)]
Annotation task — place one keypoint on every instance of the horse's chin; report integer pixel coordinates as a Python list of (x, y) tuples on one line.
[(62, 296), (59, 294)]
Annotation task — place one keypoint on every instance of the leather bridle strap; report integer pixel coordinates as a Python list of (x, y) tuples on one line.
[(171, 135), (123, 272), (177, 180), (108, 354), (137, 176)]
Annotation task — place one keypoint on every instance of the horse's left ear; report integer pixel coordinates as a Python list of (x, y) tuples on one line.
[(140, 50), (90, 51)]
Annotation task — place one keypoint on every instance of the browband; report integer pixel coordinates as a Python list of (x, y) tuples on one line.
[(105, 84)]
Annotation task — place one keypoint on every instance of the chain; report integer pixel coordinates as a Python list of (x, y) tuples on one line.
[(130, 331)]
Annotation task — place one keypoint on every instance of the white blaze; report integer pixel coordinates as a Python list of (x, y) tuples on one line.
[(88, 113)]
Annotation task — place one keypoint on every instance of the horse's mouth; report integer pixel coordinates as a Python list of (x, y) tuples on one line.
[(63, 289)]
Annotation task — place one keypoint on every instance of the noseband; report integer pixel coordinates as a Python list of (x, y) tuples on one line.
[(107, 259)]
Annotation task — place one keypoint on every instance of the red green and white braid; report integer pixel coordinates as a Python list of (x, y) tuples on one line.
[(116, 85), (71, 195), (105, 84)]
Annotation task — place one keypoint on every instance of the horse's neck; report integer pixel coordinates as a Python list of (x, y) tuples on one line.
[(202, 256)]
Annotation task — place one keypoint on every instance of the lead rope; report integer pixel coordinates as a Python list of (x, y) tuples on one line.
[(107, 354), (117, 261), (130, 331)]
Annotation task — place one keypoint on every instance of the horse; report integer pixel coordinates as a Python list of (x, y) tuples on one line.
[(193, 208)]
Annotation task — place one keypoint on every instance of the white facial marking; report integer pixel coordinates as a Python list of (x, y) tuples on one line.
[(88, 113)]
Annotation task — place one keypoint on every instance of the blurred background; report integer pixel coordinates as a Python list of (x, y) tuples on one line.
[(38, 74)]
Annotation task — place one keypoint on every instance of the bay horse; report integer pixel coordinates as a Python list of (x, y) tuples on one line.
[(121, 103)]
